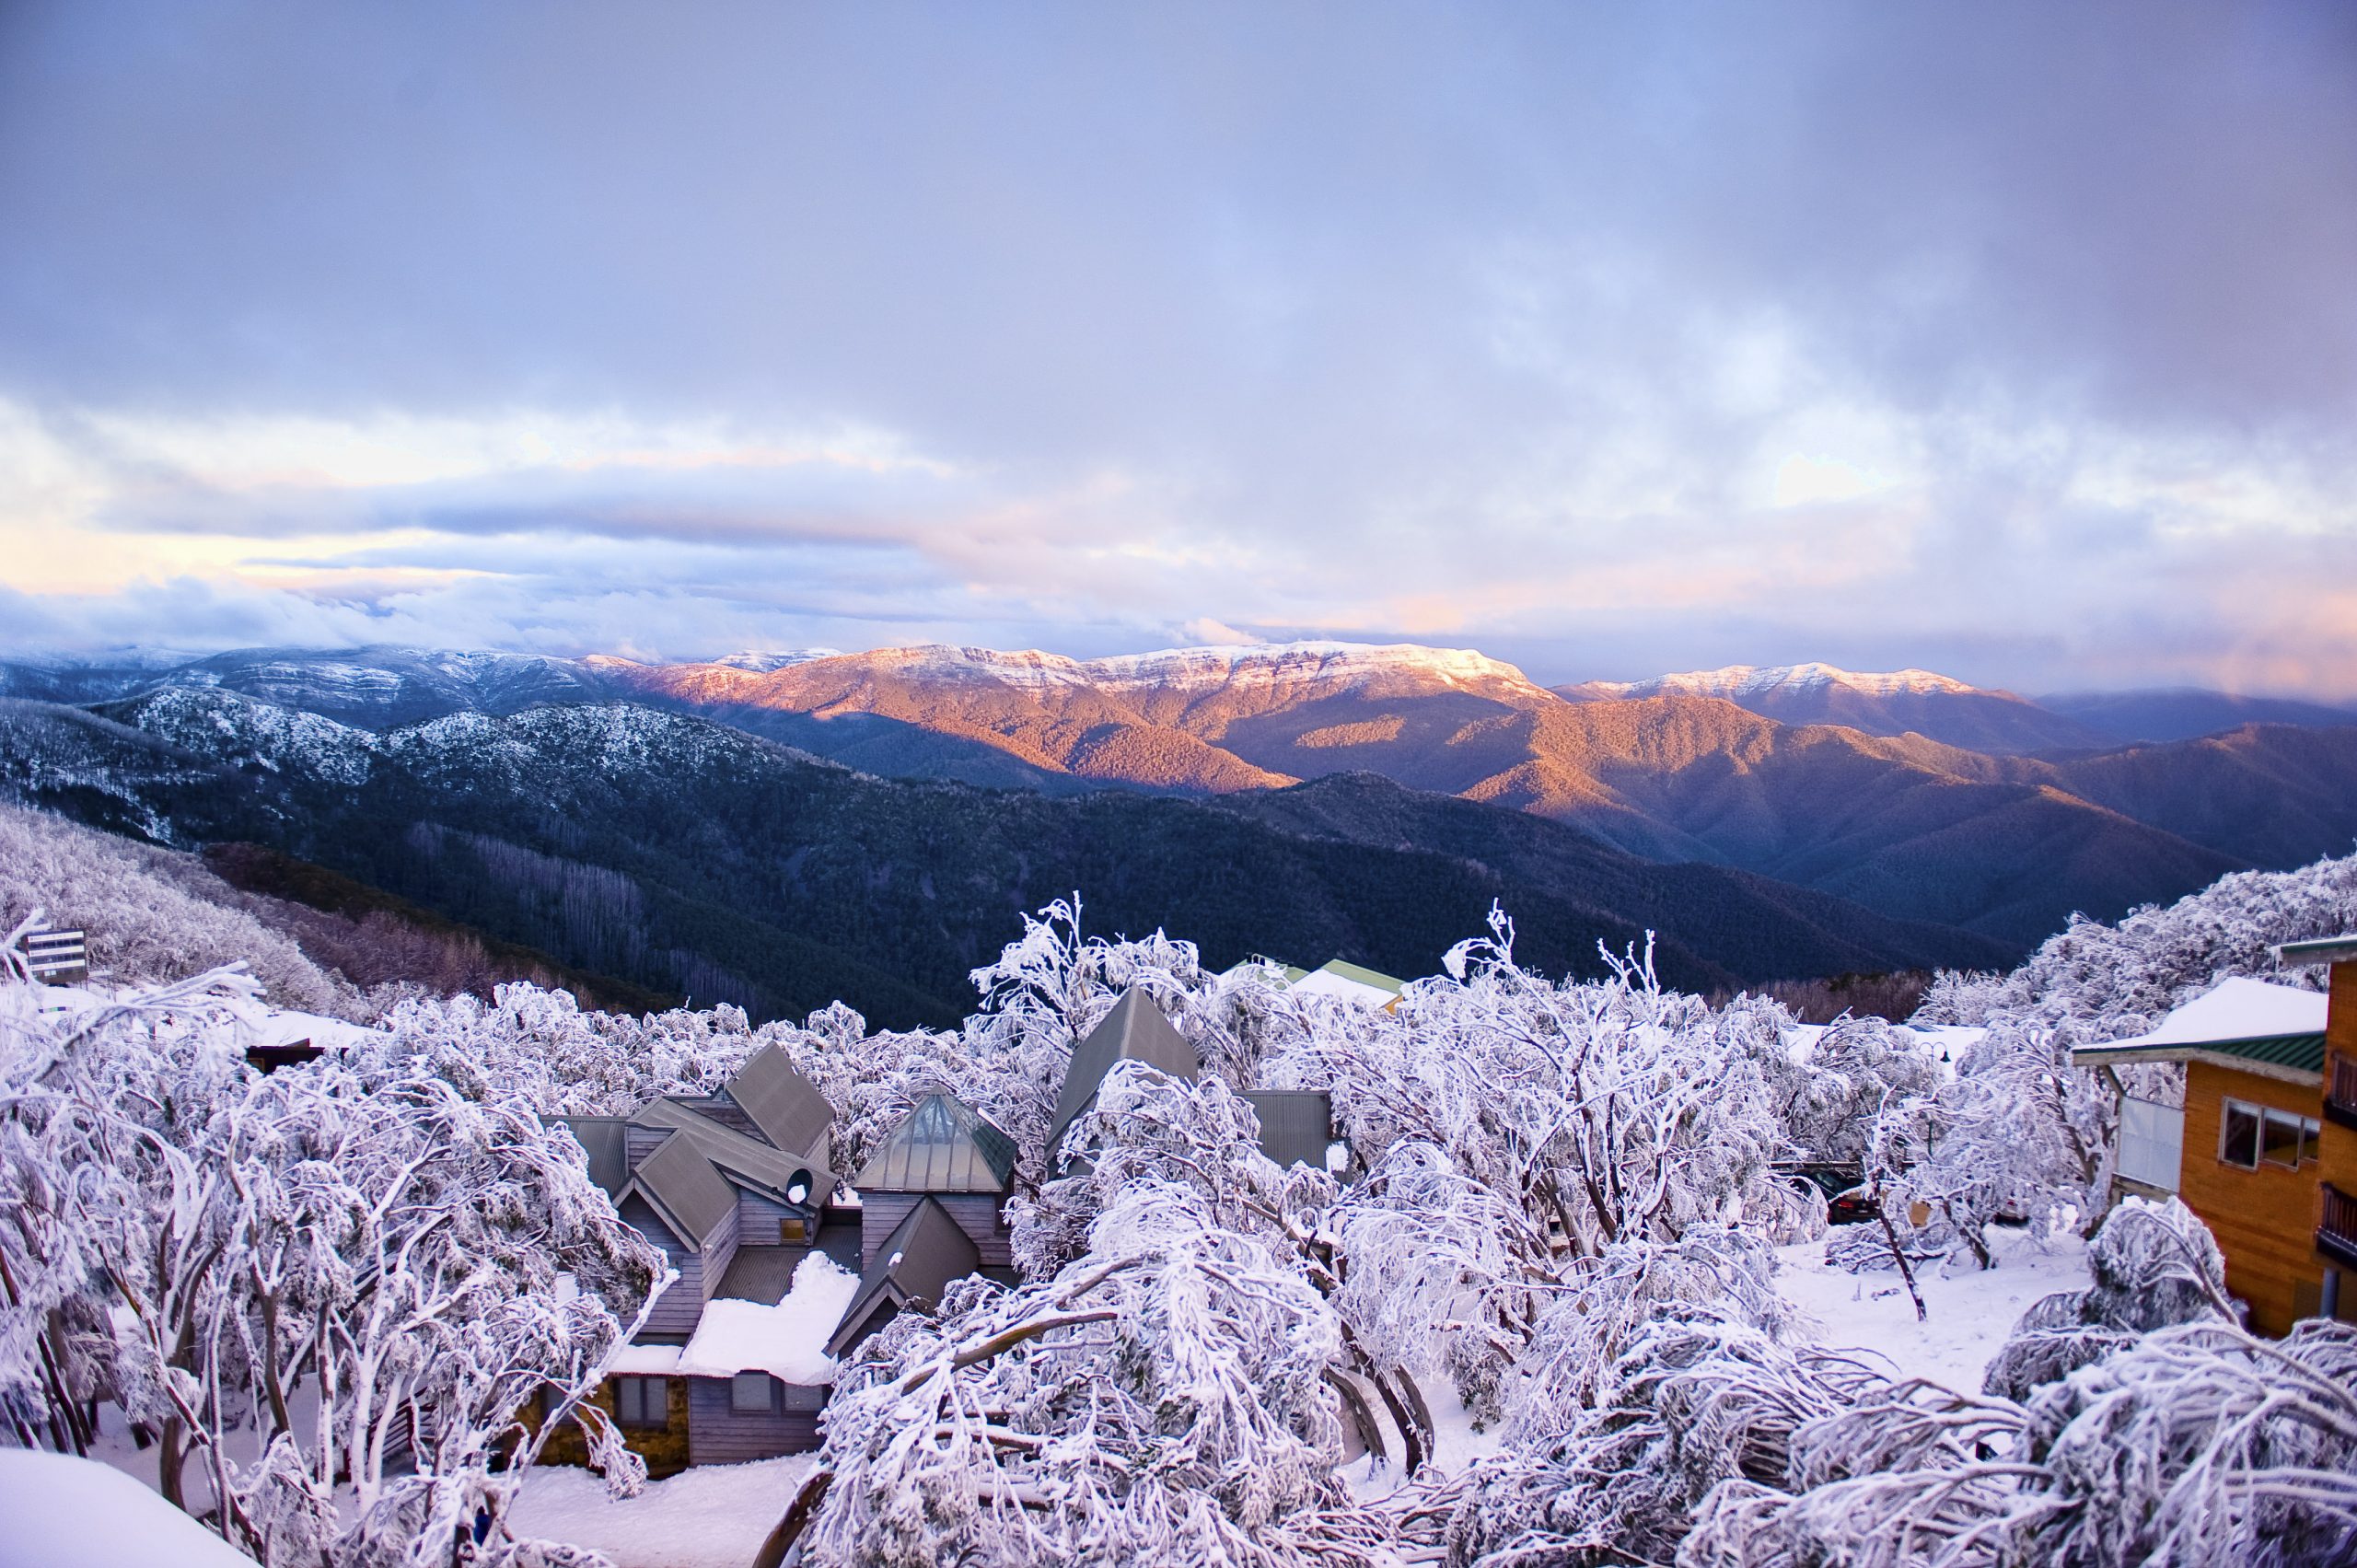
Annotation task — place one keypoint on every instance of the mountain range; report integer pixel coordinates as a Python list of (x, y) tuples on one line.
[(686, 856), (1911, 794)]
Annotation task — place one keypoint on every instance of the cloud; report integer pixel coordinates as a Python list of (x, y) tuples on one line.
[(1616, 336)]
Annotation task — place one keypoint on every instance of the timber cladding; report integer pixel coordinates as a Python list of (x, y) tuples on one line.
[(2265, 1220)]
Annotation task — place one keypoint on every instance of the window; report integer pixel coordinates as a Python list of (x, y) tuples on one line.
[(2239, 1139), (806, 1396), (642, 1401), (748, 1394), (2250, 1135), (2287, 1139)]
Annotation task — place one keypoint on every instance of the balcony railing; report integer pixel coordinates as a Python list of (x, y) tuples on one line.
[(2341, 1092), (2336, 1237)]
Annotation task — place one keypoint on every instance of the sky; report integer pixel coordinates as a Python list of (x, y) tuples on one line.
[(2013, 341)]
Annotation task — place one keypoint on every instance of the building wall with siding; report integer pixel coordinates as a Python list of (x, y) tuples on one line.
[(675, 1313), (758, 1218), (720, 1435), (640, 1141), (2265, 1220), (977, 1214)]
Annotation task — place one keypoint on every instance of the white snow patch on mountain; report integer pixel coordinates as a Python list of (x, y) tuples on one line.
[(1740, 681), (1211, 668)]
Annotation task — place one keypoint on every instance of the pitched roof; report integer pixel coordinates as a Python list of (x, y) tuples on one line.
[(776, 1172), (1363, 975), (1296, 1125), (924, 1252), (941, 1145), (603, 1140), (691, 1196), (2251, 1025), (784, 1104), (1135, 1030)]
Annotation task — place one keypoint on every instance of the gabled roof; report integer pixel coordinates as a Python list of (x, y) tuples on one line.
[(603, 1140), (2249, 1025), (683, 1188), (941, 1145), (784, 1104), (1351, 983), (774, 1172), (1135, 1030), (1296, 1125), (917, 1261)]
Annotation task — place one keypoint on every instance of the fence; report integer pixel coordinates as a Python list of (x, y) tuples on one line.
[(58, 957)]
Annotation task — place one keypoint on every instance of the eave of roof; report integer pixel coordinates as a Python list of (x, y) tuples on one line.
[(2292, 1059), (2320, 951)]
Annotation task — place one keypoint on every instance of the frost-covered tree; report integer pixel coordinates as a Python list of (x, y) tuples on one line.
[(1162, 1398), (290, 1282)]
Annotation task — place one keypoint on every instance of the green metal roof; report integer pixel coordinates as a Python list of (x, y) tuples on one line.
[(1364, 976), (2299, 1054), (941, 1145)]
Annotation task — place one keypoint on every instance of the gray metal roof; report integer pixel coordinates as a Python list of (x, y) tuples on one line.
[(1135, 1030), (1296, 1125), (685, 1189), (917, 1261), (748, 1160), (784, 1104), (941, 1145), (603, 1140)]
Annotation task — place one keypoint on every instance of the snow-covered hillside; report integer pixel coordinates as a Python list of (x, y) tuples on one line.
[(1568, 1289)]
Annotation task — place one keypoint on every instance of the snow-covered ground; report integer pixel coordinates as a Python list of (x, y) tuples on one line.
[(713, 1516), (1969, 1311)]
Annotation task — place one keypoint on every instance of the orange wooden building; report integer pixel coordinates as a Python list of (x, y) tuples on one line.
[(2266, 1145)]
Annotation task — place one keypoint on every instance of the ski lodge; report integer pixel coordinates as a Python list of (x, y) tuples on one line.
[(2264, 1148), (782, 1269)]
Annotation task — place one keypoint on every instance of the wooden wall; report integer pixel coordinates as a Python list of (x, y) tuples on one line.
[(719, 1435), (758, 1218), (2265, 1220), (977, 1214)]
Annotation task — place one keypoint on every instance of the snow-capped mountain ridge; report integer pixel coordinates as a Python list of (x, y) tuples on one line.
[(1194, 669), (1739, 680)]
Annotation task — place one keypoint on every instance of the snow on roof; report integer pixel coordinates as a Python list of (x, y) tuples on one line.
[(787, 1341), (1351, 983), (64, 1511), (644, 1360), (2235, 1009)]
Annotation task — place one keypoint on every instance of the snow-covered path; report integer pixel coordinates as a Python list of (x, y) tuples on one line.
[(713, 1516), (1970, 1310)]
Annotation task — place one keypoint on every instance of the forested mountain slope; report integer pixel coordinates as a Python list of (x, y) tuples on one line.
[(689, 856), (1918, 827)]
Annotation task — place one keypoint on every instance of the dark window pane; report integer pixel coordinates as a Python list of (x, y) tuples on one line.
[(2240, 1144), (2280, 1139)]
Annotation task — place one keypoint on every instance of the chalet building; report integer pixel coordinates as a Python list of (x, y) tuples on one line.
[(944, 1152), (1351, 983), (734, 1188), (1296, 1125), (924, 1253), (2265, 1148), (1135, 1030), (738, 1357)]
